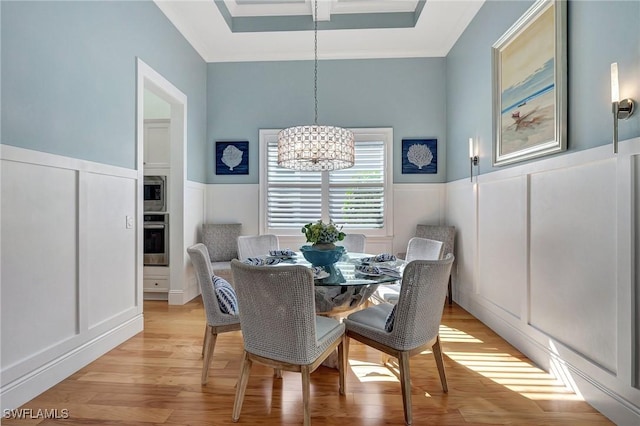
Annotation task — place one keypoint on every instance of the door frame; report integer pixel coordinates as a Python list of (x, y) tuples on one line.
[(149, 79)]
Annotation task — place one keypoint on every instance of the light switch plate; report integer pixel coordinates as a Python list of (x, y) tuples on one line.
[(129, 222)]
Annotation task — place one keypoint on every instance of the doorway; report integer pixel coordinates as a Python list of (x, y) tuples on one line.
[(153, 88)]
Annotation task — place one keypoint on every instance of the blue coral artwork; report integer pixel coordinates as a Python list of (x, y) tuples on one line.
[(232, 158), (419, 156)]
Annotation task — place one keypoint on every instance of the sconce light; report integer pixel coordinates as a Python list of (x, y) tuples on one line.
[(622, 109), (473, 158)]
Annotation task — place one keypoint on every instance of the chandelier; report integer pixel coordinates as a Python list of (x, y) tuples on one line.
[(315, 147)]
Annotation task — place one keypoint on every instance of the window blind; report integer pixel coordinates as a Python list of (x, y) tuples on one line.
[(353, 198)]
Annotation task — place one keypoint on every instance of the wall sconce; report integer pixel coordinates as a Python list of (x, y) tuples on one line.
[(622, 109), (473, 158)]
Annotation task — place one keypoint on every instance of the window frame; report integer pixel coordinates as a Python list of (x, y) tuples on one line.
[(384, 134)]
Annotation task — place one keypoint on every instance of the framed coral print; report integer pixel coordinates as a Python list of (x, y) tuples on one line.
[(419, 156), (529, 85), (232, 158)]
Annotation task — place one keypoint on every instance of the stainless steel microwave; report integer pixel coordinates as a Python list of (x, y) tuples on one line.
[(155, 194)]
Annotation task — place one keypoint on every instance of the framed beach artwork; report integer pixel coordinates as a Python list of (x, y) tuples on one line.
[(529, 85), (232, 158), (419, 156)]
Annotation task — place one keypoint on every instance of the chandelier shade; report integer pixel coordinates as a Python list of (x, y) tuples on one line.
[(314, 147)]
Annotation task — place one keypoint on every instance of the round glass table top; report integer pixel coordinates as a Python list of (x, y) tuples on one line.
[(345, 285)]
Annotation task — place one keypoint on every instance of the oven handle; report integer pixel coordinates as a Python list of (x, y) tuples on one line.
[(155, 226)]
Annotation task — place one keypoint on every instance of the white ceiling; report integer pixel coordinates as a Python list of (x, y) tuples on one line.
[(202, 23)]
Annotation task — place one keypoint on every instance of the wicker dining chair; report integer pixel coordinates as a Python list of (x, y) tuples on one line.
[(409, 327), (280, 327), (417, 249), (446, 234), (256, 245), (217, 321), (423, 249)]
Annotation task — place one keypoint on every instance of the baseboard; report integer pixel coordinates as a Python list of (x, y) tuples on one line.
[(180, 297), (25, 388)]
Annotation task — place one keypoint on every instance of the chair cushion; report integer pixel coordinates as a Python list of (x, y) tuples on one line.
[(388, 324), (325, 326), (226, 295), (221, 240), (372, 318)]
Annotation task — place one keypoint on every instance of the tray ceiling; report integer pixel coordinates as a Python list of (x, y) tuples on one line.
[(267, 30)]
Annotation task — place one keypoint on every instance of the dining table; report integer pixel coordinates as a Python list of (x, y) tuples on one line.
[(345, 285)]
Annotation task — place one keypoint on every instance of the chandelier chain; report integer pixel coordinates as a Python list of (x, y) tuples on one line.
[(315, 147), (315, 61)]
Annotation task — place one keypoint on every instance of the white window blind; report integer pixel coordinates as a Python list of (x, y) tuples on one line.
[(293, 197), (353, 198), (356, 195)]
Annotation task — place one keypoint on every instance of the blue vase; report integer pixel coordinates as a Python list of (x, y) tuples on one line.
[(322, 257)]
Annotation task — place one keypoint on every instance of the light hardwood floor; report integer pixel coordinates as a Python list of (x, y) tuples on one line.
[(154, 379)]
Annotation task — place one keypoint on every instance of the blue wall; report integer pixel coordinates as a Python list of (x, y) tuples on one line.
[(69, 78), (598, 33), (68, 85), (406, 94)]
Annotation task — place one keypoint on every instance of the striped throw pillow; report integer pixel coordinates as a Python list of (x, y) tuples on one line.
[(388, 324), (226, 295)]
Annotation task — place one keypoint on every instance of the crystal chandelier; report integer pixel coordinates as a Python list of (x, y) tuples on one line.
[(315, 147)]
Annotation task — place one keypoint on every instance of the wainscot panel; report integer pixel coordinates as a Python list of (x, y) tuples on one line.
[(110, 246), (68, 267), (573, 258), (570, 224), (39, 265), (502, 243)]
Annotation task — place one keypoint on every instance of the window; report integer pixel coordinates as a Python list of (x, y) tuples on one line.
[(358, 198)]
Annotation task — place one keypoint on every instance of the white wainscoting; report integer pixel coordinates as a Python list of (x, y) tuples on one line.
[(194, 214), (69, 267), (413, 204), (502, 213), (547, 256)]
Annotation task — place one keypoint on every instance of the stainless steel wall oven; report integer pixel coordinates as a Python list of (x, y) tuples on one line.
[(156, 240)]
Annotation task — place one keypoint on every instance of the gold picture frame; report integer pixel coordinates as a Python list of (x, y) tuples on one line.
[(529, 85)]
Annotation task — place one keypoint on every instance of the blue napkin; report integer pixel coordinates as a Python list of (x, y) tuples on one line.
[(382, 257), (258, 261), (368, 270), (319, 272), (377, 271), (282, 253)]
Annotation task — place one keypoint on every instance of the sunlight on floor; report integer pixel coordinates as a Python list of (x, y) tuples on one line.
[(372, 372), (448, 334), (513, 373)]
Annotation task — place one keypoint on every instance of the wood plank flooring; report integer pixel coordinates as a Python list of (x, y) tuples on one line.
[(154, 379)]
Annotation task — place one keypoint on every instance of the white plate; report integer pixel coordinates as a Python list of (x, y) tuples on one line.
[(369, 274), (321, 275), (283, 257)]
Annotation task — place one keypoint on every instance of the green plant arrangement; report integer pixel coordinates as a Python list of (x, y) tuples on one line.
[(322, 233), (323, 251)]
